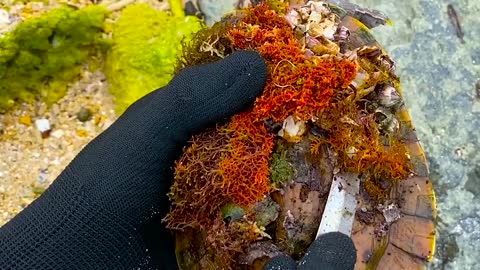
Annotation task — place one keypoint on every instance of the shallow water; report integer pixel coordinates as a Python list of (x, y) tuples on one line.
[(438, 74)]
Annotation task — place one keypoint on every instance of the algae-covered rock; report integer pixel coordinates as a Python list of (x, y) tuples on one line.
[(44, 53), (146, 44)]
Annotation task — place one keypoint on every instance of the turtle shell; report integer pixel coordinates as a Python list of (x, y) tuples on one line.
[(257, 187)]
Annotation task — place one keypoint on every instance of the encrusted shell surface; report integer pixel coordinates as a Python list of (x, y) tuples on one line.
[(394, 232)]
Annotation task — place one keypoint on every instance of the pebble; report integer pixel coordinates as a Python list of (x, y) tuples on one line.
[(57, 133), (25, 120), (42, 125), (42, 176), (84, 114), (81, 133)]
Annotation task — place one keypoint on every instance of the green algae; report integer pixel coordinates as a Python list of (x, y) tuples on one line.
[(280, 169), (146, 45), (43, 54)]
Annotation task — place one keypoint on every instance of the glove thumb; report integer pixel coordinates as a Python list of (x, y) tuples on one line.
[(331, 251), (209, 93)]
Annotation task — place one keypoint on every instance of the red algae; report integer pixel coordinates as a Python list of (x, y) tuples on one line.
[(240, 151), (337, 99)]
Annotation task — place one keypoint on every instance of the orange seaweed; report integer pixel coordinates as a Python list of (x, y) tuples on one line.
[(231, 164)]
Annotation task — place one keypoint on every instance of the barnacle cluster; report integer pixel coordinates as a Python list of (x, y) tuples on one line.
[(317, 83)]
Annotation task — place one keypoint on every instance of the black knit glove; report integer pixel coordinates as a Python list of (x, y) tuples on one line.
[(104, 210), (330, 251)]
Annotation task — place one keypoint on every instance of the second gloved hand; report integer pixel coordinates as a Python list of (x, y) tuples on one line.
[(330, 251)]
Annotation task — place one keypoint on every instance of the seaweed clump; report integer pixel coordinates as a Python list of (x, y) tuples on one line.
[(33, 61), (362, 147), (146, 45), (230, 163)]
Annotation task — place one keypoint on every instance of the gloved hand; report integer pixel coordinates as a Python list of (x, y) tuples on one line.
[(104, 210), (330, 251)]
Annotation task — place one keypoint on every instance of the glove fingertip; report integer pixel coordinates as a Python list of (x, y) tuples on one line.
[(281, 262), (209, 93), (250, 72), (333, 250)]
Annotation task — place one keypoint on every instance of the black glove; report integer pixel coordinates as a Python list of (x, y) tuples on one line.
[(104, 210), (330, 251)]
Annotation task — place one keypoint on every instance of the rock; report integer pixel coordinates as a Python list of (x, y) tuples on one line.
[(448, 248), (214, 10), (84, 114), (42, 176), (266, 211), (473, 182)]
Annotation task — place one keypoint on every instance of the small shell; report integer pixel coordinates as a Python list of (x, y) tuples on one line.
[(387, 62), (318, 6), (351, 151), (370, 52), (293, 18), (311, 42), (292, 129), (326, 27), (342, 34), (388, 96), (325, 46), (314, 17), (390, 212), (387, 121)]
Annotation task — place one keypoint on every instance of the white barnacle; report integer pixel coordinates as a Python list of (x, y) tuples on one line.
[(292, 129)]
